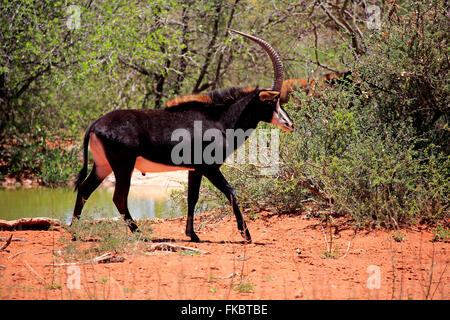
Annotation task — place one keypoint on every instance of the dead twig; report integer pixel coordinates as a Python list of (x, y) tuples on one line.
[(165, 246), (326, 240), (309, 184), (439, 282), (16, 254), (343, 24), (104, 258), (316, 52), (231, 275), (346, 251), (37, 276), (8, 242), (14, 239)]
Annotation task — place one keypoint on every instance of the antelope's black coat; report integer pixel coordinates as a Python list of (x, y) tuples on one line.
[(128, 134)]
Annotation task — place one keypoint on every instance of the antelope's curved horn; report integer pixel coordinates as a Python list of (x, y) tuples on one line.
[(274, 56)]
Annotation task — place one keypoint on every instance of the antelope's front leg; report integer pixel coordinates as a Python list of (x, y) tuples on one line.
[(219, 181), (194, 181)]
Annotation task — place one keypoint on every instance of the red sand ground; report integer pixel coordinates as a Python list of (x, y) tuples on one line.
[(284, 262)]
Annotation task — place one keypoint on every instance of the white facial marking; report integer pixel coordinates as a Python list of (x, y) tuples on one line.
[(281, 119)]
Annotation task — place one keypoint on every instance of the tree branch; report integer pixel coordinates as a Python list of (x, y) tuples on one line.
[(136, 67), (342, 23), (308, 184), (316, 53), (211, 44), (28, 82), (219, 63), (184, 50)]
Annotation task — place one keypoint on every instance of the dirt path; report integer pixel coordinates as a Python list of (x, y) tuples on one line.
[(284, 262)]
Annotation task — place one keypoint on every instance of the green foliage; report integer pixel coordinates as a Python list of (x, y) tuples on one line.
[(379, 145), (189, 253), (108, 235), (53, 286), (408, 65), (398, 236), (441, 234), (371, 169), (51, 158), (333, 253), (55, 80), (244, 287)]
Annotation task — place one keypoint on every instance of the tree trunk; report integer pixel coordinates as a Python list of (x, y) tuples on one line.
[(183, 64)]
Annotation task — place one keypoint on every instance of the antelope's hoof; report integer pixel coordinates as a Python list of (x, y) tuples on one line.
[(194, 238), (246, 236)]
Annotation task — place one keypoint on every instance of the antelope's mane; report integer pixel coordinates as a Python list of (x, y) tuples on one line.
[(223, 97)]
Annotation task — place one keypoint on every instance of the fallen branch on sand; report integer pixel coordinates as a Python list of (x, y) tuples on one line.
[(165, 246), (44, 223), (8, 242), (231, 275), (16, 254), (36, 275), (40, 223), (104, 258), (13, 239)]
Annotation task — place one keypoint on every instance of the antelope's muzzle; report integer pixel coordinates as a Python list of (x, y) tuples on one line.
[(281, 118)]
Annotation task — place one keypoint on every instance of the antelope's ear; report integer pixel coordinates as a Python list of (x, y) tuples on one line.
[(268, 95)]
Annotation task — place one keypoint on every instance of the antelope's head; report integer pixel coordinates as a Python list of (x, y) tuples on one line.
[(270, 109)]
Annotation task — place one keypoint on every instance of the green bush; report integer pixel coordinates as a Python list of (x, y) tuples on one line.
[(378, 146), (373, 170), (406, 70), (53, 159)]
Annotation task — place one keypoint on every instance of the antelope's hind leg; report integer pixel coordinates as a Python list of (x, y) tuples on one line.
[(86, 188), (100, 170), (122, 171)]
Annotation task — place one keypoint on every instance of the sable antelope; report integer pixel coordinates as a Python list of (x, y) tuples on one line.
[(123, 140), (310, 86)]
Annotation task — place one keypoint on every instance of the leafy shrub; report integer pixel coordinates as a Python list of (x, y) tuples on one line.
[(441, 234), (398, 236), (379, 145), (373, 170), (53, 159), (407, 70)]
